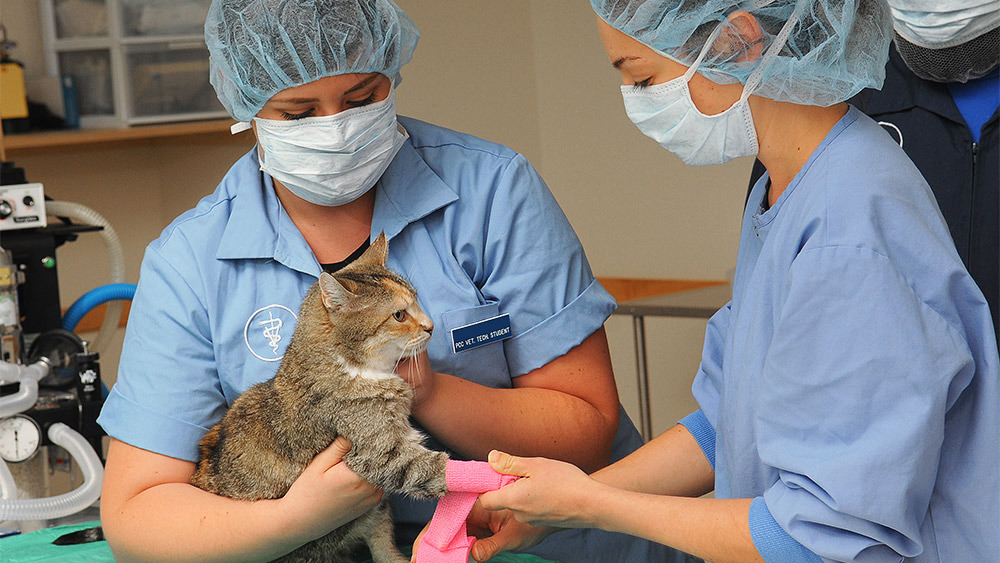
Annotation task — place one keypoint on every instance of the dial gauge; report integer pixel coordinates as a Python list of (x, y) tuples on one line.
[(20, 438)]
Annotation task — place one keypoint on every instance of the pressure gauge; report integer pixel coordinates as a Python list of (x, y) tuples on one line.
[(20, 438)]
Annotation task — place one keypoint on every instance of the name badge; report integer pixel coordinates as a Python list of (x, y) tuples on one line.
[(480, 333)]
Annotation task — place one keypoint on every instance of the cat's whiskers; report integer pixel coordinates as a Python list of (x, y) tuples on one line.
[(410, 351), (399, 360)]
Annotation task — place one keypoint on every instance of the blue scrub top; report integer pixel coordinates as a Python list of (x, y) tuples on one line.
[(470, 224), (851, 385)]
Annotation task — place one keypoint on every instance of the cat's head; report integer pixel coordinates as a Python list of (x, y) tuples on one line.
[(374, 311)]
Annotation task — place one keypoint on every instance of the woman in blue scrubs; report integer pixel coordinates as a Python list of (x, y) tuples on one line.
[(848, 393), (470, 224)]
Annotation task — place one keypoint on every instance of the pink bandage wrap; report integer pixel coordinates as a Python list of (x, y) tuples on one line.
[(447, 540)]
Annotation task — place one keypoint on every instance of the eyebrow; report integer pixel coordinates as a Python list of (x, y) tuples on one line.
[(623, 60), (354, 88), (293, 100)]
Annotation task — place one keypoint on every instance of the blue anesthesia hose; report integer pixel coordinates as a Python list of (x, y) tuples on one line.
[(95, 297)]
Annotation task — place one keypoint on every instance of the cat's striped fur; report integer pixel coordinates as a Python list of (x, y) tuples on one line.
[(336, 378)]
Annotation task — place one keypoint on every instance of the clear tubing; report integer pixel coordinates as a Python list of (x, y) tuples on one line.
[(8, 488), (67, 503), (24, 399), (116, 256), (27, 393), (12, 373)]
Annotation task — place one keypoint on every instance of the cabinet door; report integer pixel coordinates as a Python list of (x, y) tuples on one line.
[(92, 75), (169, 81), (76, 19), (163, 18), (132, 61)]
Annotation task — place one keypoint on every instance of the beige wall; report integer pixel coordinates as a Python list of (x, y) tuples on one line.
[(530, 74)]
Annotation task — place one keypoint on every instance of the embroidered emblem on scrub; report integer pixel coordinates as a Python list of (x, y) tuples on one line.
[(268, 331), (480, 333)]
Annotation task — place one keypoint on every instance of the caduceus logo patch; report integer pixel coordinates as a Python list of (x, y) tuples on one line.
[(268, 331)]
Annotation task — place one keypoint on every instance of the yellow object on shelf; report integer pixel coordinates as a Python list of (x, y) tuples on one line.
[(13, 99)]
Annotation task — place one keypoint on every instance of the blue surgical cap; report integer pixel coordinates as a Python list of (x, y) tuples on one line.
[(835, 49), (258, 48)]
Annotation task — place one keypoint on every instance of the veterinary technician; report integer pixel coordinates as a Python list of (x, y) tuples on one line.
[(470, 224), (848, 393)]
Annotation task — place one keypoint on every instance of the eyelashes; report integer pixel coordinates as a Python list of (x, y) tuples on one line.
[(640, 84), (294, 116), (350, 103), (369, 100)]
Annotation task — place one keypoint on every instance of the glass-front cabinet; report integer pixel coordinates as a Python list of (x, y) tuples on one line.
[(131, 61)]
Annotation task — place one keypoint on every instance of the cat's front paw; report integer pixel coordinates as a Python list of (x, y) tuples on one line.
[(426, 476)]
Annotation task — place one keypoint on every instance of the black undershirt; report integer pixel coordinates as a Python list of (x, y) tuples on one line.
[(766, 204), (331, 268)]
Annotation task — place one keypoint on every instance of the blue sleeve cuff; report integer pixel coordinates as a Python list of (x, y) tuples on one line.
[(129, 422), (698, 426), (772, 541), (570, 326)]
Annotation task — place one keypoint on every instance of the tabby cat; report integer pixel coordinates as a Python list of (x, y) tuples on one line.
[(336, 378)]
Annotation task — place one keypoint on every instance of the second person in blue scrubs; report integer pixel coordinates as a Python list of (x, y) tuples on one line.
[(849, 395), (470, 224)]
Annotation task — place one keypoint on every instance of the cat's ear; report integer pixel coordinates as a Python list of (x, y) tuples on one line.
[(335, 295), (377, 252)]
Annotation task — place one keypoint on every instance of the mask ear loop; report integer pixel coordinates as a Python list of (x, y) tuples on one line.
[(239, 127), (753, 81), (704, 51)]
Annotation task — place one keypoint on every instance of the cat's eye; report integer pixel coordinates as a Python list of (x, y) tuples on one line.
[(399, 315)]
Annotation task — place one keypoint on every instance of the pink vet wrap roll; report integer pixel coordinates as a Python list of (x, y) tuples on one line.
[(447, 540)]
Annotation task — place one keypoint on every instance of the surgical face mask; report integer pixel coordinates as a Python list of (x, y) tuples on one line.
[(331, 160), (954, 41), (667, 114), (934, 24)]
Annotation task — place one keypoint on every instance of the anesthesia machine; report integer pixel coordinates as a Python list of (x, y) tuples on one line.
[(50, 383)]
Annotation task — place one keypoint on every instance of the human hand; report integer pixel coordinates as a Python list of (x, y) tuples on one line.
[(550, 492), (497, 531), (327, 494), (416, 371)]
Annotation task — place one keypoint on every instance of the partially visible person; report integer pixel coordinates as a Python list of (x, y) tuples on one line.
[(849, 393)]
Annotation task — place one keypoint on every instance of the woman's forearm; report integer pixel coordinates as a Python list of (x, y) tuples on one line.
[(150, 512), (670, 464), (553, 493), (713, 529), (179, 522), (566, 409), (473, 419)]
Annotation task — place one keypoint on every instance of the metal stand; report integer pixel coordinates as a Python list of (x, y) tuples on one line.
[(695, 303), (642, 378)]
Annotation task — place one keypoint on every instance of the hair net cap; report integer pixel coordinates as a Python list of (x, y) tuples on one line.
[(258, 48), (835, 49)]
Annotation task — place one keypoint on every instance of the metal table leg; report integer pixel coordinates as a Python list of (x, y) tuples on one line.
[(645, 416)]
